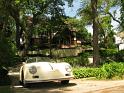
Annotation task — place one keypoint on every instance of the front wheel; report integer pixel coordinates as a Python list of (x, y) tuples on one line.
[(64, 82), (22, 82)]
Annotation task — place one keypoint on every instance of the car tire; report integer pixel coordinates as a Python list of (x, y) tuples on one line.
[(22, 82), (64, 82), (22, 78), (25, 84)]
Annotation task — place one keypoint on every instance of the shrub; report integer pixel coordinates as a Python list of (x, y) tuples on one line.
[(107, 55), (120, 56), (107, 71), (85, 72), (81, 60), (108, 52), (6, 52), (111, 70), (73, 61)]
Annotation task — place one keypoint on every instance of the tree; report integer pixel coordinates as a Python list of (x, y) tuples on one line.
[(7, 52), (101, 17), (81, 32), (106, 33), (122, 14), (90, 14), (19, 10), (16, 13), (96, 57)]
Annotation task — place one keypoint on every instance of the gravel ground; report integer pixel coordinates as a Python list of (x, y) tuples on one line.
[(75, 86), (119, 89)]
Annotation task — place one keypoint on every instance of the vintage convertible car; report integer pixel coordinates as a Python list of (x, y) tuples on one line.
[(36, 71)]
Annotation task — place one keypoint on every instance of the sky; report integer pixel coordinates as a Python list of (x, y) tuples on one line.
[(114, 23), (72, 11)]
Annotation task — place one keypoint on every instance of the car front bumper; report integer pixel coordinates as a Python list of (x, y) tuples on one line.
[(48, 80)]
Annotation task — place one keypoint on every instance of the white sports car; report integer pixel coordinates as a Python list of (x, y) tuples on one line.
[(36, 71)]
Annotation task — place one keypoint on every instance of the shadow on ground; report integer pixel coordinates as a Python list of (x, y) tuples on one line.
[(49, 85), (5, 80), (44, 87)]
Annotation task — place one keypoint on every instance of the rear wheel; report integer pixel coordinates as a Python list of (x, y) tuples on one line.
[(64, 82)]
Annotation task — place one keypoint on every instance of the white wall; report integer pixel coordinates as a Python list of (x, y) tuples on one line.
[(121, 46), (118, 40)]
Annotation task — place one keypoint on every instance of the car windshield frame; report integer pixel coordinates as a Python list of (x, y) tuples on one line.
[(37, 59)]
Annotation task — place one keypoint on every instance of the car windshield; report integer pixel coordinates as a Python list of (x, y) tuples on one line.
[(38, 59)]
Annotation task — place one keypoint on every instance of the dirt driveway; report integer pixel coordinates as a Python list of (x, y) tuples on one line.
[(75, 86)]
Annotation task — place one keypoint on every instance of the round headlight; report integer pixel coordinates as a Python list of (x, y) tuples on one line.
[(32, 69)]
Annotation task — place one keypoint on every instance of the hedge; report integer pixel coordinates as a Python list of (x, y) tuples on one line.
[(107, 71)]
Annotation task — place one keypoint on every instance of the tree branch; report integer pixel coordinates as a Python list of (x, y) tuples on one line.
[(113, 17)]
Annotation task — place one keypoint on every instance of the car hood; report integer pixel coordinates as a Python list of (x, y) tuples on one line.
[(36, 63)]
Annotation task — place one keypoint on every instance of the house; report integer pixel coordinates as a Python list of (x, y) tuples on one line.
[(66, 39), (63, 39), (119, 40)]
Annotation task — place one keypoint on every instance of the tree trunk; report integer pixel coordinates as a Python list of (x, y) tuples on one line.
[(50, 46), (17, 34), (96, 58)]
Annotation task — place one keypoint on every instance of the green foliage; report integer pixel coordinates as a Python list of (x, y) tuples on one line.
[(89, 51), (111, 70), (71, 60), (82, 60), (81, 32), (107, 55), (106, 34), (85, 12), (85, 72), (107, 71), (120, 56), (122, 14), (6, 53), (108, 52), (111, 54)]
